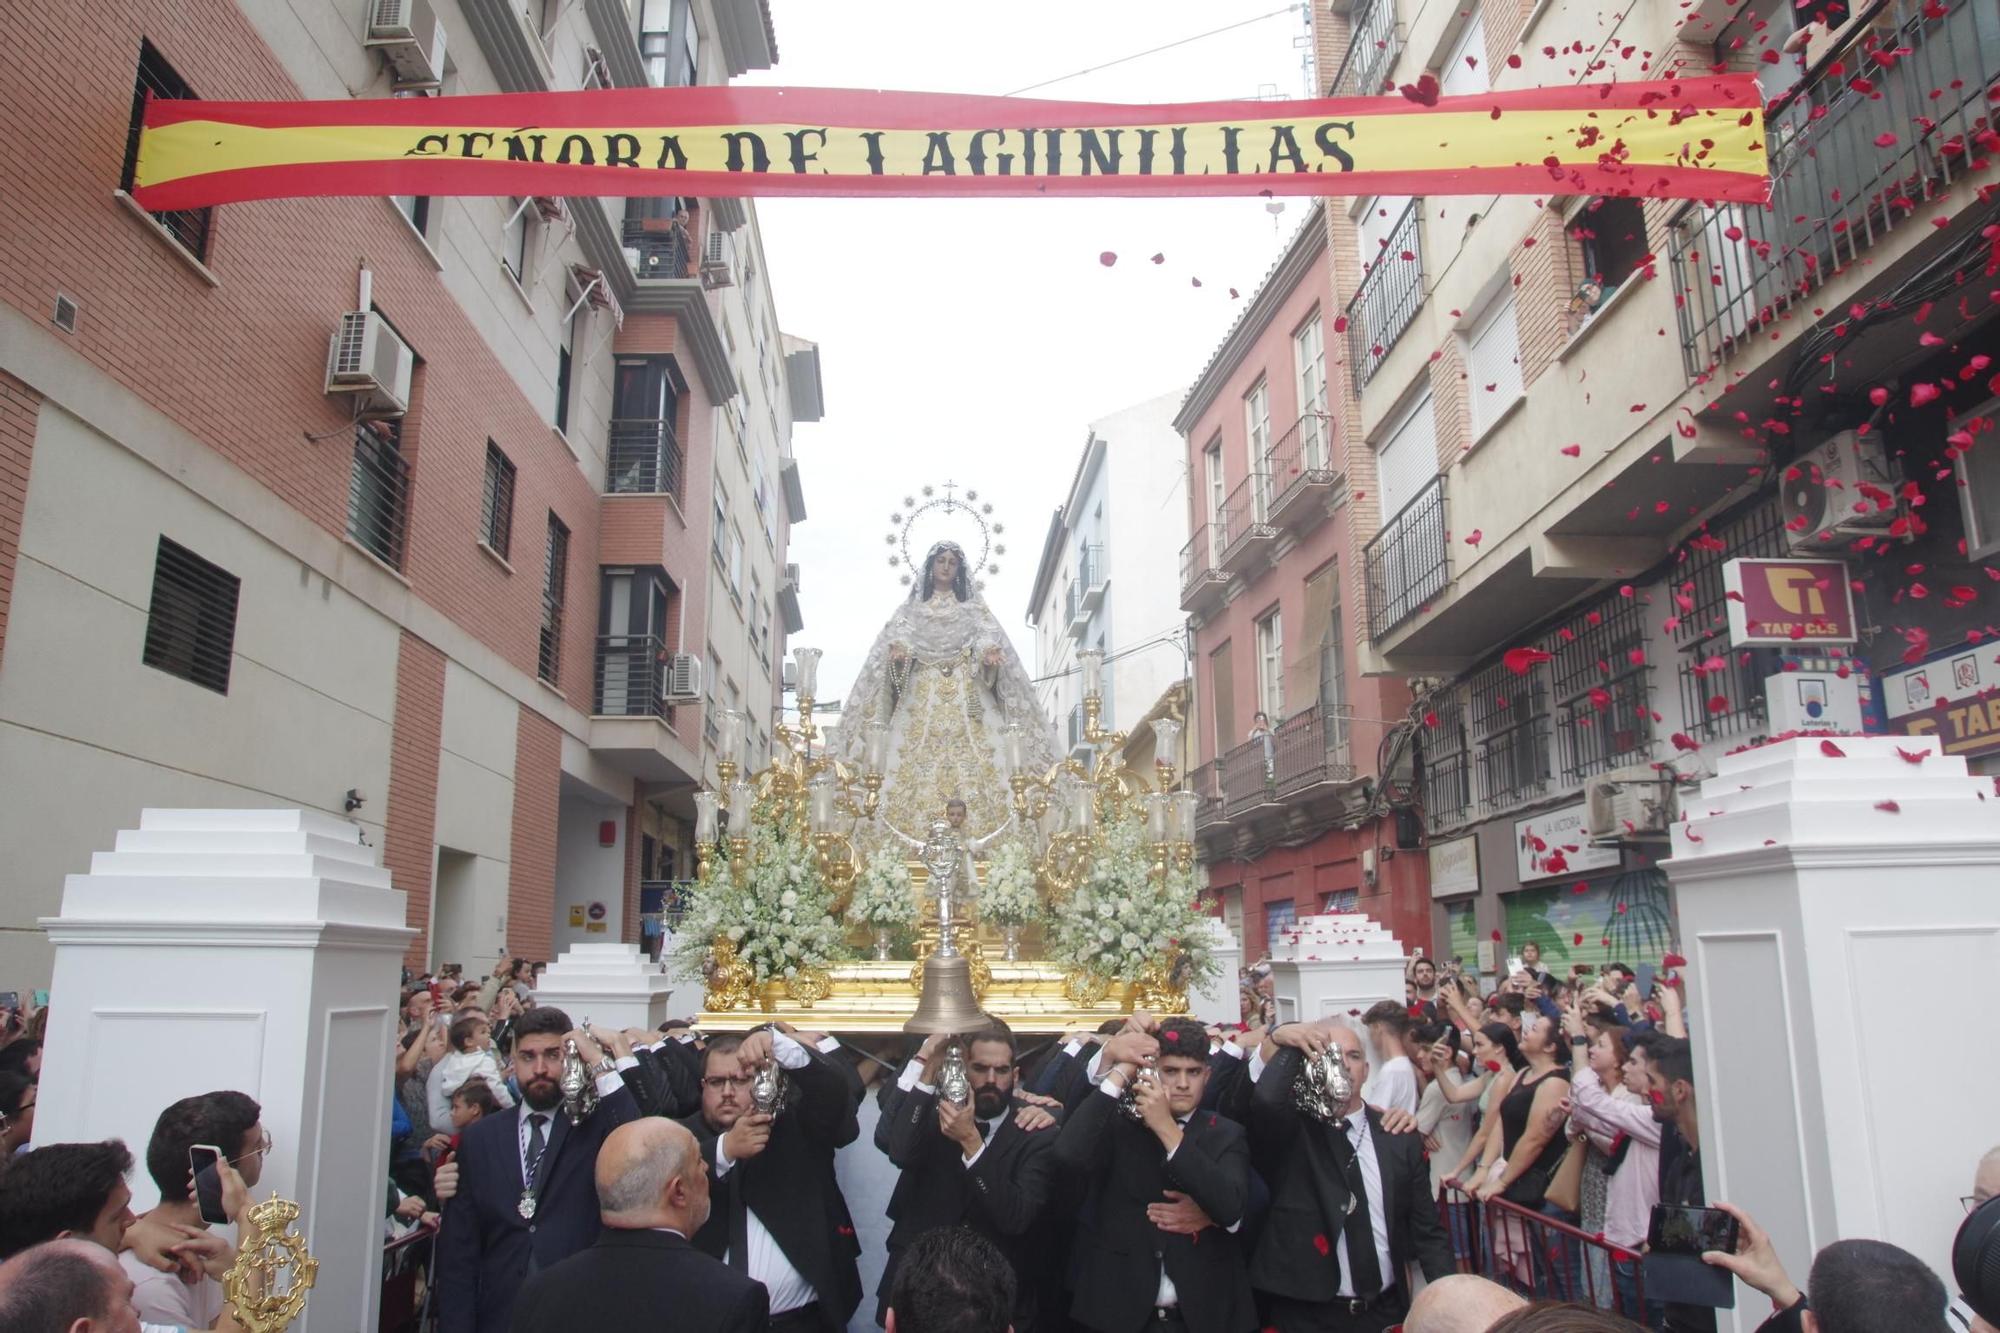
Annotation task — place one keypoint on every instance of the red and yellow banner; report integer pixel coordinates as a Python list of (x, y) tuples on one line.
[(1695, 138)]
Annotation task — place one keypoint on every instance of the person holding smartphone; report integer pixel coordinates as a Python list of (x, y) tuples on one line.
[(206, 1154)]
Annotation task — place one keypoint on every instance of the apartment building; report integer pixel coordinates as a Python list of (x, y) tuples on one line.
[(397, 509), (1294, 818), (1098, 583), (1566, 417)]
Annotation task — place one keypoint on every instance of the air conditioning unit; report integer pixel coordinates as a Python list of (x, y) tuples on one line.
[(715, 262), (411, 39), (367, 358), (1629, 802), (1843, 488), (683, 679)]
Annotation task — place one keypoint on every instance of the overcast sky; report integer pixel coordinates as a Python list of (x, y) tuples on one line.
[(974, 340)]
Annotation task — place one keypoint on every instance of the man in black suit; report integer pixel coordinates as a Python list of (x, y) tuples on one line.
[(1351, 1204), (988, 1164), (779, 1216), (652, 1193), (524, 1200), (953, 1281), (1142, 1268), (667, 1081)]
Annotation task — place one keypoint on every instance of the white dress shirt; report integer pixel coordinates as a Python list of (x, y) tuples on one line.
[(1378, 1223), (766, 1259)]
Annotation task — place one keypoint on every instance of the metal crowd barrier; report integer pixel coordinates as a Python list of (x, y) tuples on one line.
[(1541, 1257), (407, 1263)]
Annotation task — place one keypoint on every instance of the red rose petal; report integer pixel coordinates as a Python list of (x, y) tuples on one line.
[(1832, 751), (1913, 756), (1320, 1244), (1108, 258), (1673, 960), (1889, 806), (1521, 661)]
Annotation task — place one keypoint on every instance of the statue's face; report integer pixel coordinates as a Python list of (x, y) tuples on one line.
[(944, 569)]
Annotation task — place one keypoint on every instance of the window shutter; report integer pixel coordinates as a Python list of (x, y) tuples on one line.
[(1493, 356), (1407, 460), (1302, 682), (1458, 78)]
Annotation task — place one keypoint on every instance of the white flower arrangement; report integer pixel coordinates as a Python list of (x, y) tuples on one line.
[(780, 917), (883, 897), (1010, 897), (1122, 916)]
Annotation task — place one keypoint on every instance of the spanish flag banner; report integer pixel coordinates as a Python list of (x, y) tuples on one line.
[(1692, 138)]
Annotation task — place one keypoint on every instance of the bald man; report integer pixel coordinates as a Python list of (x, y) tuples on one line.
[(1460, 1303), (72, 1285), (652, 1195)]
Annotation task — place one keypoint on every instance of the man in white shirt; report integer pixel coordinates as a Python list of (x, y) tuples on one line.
[(1394, 1086), (779, 1216)]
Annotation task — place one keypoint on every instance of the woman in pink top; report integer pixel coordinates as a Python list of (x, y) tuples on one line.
[(1625, 1143)]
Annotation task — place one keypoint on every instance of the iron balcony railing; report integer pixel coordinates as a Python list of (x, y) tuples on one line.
[(1249, 775), (1244, 515), (1855, 151), (1072, 602), (1206, 783), (1388, 298), (378, 493), (663, 246), (1409, 561), (1311, 747), (645, 457), (631, 676), (1303, 456), (1090, 569), (1372, 47), (1198, 563)]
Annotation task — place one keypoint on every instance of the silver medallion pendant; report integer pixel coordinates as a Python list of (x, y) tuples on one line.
[(527, 1205)]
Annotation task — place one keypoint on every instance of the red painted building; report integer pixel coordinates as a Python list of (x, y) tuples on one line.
[(1296, 821)]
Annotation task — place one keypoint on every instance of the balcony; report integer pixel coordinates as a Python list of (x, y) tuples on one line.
[(660, 247), (1409, 561), (1387, 300), (1836, 190), (378, 492), (1372, 47), (631, 724), (1302, 474), (1311, 750), (1092, 577), (1202, 579), (1249, 777), (1243, 532), (1076, 616), (1078, 746), (645, 458), (1206, 783)]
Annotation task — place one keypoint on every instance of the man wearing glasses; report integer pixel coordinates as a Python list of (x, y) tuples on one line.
[(778, 1214), (228, 1121)]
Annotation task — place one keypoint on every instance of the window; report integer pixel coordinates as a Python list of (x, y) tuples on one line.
[(566, 365), (670, 43), (1509, 731), (1257, 431), (189, 227), (496, 516), (191, 624), (1271, 668), (1492, 363), (1278, 918), (1464, 69), (1603, 696), (1309, 366), (1211, 461), (1444, 770), (551, 15), (716, 537), (1333, 675), (1407, 460), (736, 563), (1342, 900), (1376, 224), (514, 240), (554, 574), (1611, 241), (1979, 491), (414, 207), (378, 491)]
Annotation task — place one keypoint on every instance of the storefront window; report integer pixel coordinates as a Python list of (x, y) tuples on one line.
[(1622, 918)]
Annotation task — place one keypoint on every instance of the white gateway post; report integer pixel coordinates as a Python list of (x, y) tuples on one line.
[(613, 985), (1335, 966), (252, 950), (1842, 930)]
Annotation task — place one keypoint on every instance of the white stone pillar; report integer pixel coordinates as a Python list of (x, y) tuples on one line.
[(1217, 1001), (253, 950), (612, 985), (1839, 916), (1335, 966)]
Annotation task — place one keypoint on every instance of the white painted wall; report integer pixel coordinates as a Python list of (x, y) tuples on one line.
[(587, 872), (1146, 526), (89, 735)]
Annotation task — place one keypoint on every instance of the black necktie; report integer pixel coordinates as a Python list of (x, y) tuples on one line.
[(985, 1130), (1363, 1267), (537, 1141)]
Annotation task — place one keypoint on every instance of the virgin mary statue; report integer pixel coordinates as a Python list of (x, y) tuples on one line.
[(946, 681)]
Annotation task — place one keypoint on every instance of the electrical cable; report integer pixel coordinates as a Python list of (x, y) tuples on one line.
[(1152, 51)]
